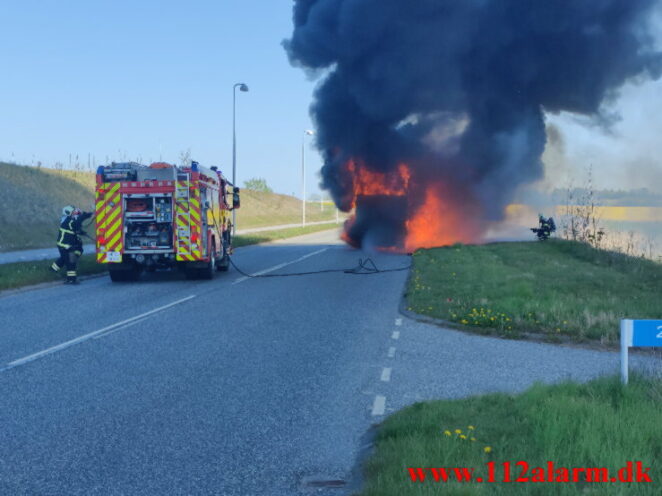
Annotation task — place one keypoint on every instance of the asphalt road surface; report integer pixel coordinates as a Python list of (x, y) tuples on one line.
[(52, 252), (233, 386)]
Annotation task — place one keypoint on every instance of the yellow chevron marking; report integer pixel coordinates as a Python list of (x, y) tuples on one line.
[(111, 243), (111, 230), (112, 215)]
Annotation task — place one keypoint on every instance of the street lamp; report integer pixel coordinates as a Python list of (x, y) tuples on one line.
[(307, 132), (242, 87)]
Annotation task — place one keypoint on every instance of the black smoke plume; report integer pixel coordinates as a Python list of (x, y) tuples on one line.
[(457, 89)]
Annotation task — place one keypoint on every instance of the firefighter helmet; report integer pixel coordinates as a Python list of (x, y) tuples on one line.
[(68, 210)]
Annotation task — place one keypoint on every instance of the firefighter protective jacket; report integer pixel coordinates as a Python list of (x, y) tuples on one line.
[(70, 229)]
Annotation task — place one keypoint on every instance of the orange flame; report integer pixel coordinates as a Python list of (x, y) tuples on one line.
[(371, 183), (437, 222), (440, 220)]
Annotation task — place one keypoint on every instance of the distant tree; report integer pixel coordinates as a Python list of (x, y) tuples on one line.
[(258, 184)]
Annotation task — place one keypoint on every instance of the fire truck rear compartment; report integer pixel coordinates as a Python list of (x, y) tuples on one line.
[(148, 228)]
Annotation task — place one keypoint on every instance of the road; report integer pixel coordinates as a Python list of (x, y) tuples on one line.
[(233, 386), (52, 253)]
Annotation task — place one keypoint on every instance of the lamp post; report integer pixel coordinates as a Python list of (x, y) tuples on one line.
[(307, 132), (242, 87)]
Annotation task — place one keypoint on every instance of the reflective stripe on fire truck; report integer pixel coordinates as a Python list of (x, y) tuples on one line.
[(109, 221), (187, 220)]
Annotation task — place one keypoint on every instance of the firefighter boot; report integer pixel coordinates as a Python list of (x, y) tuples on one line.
[(71, 277), (55, 267)]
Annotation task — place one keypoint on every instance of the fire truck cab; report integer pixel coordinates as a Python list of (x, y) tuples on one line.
[(163, 216)]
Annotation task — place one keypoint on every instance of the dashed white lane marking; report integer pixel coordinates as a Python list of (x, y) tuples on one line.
[(111, 331), (280, 266), (391, 352), (85, 337), (396, 335), (386, 374), (379, 405), (398, 322)]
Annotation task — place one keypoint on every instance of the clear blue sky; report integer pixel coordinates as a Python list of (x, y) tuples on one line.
[(127, 78), (124, 79)]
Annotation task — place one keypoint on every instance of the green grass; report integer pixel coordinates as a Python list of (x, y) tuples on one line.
[(266, 236), (15, 275), (271, 209), (561, 289), (31, 200), (599, 424)]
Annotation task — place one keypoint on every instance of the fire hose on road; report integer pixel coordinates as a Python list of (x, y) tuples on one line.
[(366, 266)]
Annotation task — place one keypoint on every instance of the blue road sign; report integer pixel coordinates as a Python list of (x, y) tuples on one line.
[(646, 333)]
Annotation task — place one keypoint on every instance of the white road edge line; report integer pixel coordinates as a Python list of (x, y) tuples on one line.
[(386, 374), (391, 352), (395, 335), (379, 405), (280, 266), (85, 337)]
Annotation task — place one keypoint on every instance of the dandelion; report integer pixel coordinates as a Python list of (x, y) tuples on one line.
[(462, 436), (458, 431), (473, 439), (471, 427), (447, 433), (465, 321), (487, 449)]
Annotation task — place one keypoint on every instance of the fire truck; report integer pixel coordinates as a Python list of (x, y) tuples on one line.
[(163, 216)]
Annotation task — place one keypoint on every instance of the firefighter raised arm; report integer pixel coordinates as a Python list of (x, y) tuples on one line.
[(69, 242)]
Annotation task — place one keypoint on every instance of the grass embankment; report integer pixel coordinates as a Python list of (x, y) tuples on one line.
[(599, 424), (271, 209), (31, 200), (15, 275), (266, 236), (560, 289)]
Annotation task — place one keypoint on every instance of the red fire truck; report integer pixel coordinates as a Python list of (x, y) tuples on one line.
[(163, 216)]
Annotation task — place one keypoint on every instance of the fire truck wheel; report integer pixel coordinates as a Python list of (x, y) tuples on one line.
[(206, 272), (223, 264)]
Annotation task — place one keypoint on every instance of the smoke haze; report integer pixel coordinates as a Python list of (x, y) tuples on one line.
[(457, 91)]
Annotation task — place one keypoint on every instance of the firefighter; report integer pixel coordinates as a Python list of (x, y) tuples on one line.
[(69, 243)]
